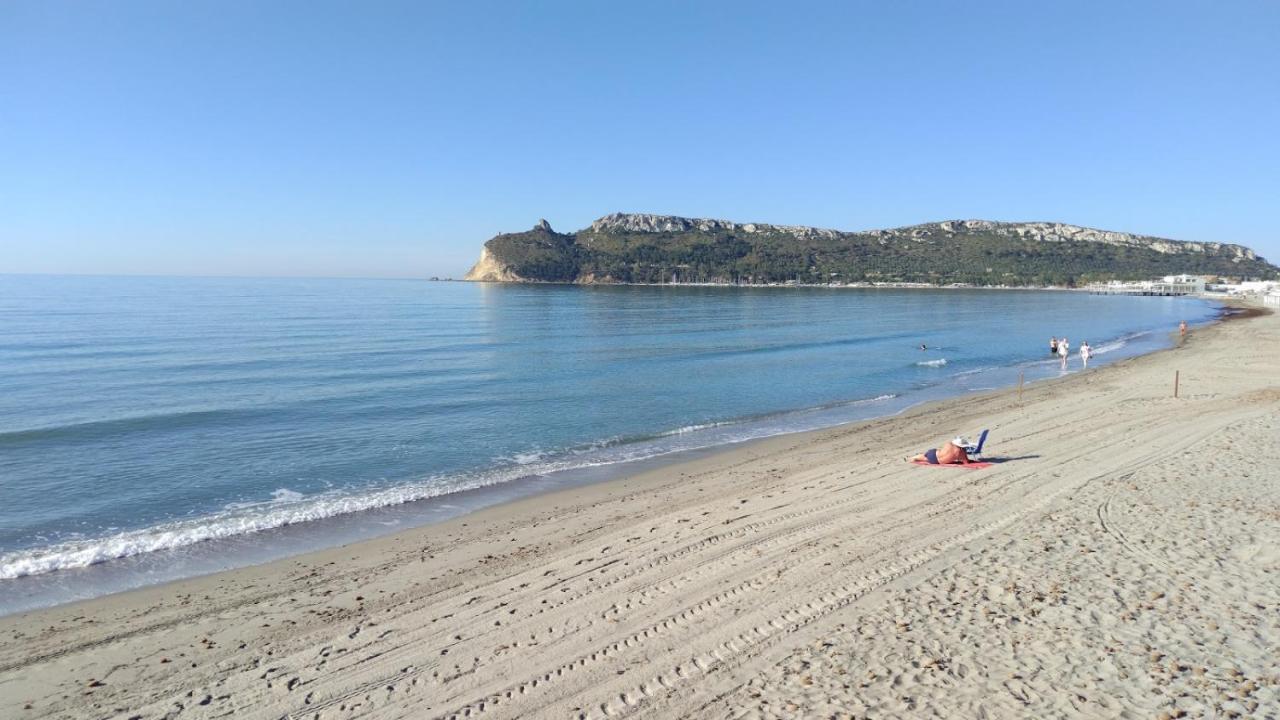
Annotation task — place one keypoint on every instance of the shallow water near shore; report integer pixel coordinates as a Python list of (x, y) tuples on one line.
[(157, 428)]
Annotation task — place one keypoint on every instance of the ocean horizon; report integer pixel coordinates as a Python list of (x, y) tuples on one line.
[(153, 428)]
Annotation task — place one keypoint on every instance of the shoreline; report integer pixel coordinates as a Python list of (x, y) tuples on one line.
[(750, 582), (138, 571), (822, 286)]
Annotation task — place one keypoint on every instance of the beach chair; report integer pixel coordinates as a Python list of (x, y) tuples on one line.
[(972, 450)]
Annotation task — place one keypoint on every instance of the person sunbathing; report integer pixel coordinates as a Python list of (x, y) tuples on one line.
[(951, 453)]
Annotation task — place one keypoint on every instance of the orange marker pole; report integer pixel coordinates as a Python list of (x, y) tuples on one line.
[(1175, 383)]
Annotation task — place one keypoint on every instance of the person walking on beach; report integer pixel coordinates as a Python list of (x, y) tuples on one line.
[(1053, 346), (1064, 348), (1086, 352), (1182, 328)]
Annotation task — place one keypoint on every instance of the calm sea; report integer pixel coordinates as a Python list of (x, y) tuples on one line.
[(157, 427)]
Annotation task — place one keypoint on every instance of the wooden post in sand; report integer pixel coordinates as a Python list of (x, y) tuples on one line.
[(1020, 374), (1175, 383)]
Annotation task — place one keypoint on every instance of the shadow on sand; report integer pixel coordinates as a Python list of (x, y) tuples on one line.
[(997, 459)]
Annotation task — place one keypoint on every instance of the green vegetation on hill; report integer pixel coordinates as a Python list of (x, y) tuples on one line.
[(539, 254), (655, 249)]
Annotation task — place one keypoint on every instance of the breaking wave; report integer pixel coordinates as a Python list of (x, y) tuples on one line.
[(1118, 343), (288, 507)]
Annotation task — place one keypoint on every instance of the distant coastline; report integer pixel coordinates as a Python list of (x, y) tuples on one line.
[(639, 249), (783, 285)]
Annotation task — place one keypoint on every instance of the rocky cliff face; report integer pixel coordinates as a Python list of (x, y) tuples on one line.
[(638, 222), (490, 269), (537, 255), (645, 248)]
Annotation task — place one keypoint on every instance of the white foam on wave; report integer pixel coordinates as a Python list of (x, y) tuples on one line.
[(286, 508), (1116, 344), (878, 398), (932, 363), (695, 428), (528, 458), (289, 507), (281, 495)]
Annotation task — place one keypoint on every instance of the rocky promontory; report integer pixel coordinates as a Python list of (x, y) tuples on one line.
[(645, 248)]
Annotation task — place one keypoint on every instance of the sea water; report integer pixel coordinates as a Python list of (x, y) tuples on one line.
[(152, 428)]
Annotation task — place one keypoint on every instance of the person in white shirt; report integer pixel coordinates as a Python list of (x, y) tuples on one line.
[(1086, 352), (1064, 348)]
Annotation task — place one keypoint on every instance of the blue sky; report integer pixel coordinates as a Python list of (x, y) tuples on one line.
[(393, 139)]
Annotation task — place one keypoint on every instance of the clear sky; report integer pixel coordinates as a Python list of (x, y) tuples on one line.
[(393, 139)]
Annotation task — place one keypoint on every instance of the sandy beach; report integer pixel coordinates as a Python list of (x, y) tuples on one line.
[(1121, 559)]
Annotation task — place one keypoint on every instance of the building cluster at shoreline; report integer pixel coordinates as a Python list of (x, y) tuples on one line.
[(1209, 286)]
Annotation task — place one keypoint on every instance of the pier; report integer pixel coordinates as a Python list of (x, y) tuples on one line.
[(1169, 286)]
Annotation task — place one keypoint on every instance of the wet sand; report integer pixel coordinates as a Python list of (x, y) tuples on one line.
[(1120, 559)]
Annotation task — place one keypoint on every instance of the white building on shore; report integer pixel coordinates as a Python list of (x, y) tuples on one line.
[(1254, 287), (1168, 285), (1248, 288)]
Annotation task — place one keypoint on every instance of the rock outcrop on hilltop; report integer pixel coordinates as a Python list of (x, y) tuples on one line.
[(644, 248), (638, 222), (537, 255)]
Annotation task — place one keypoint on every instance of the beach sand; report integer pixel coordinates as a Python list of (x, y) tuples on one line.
[(1122, 559)]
